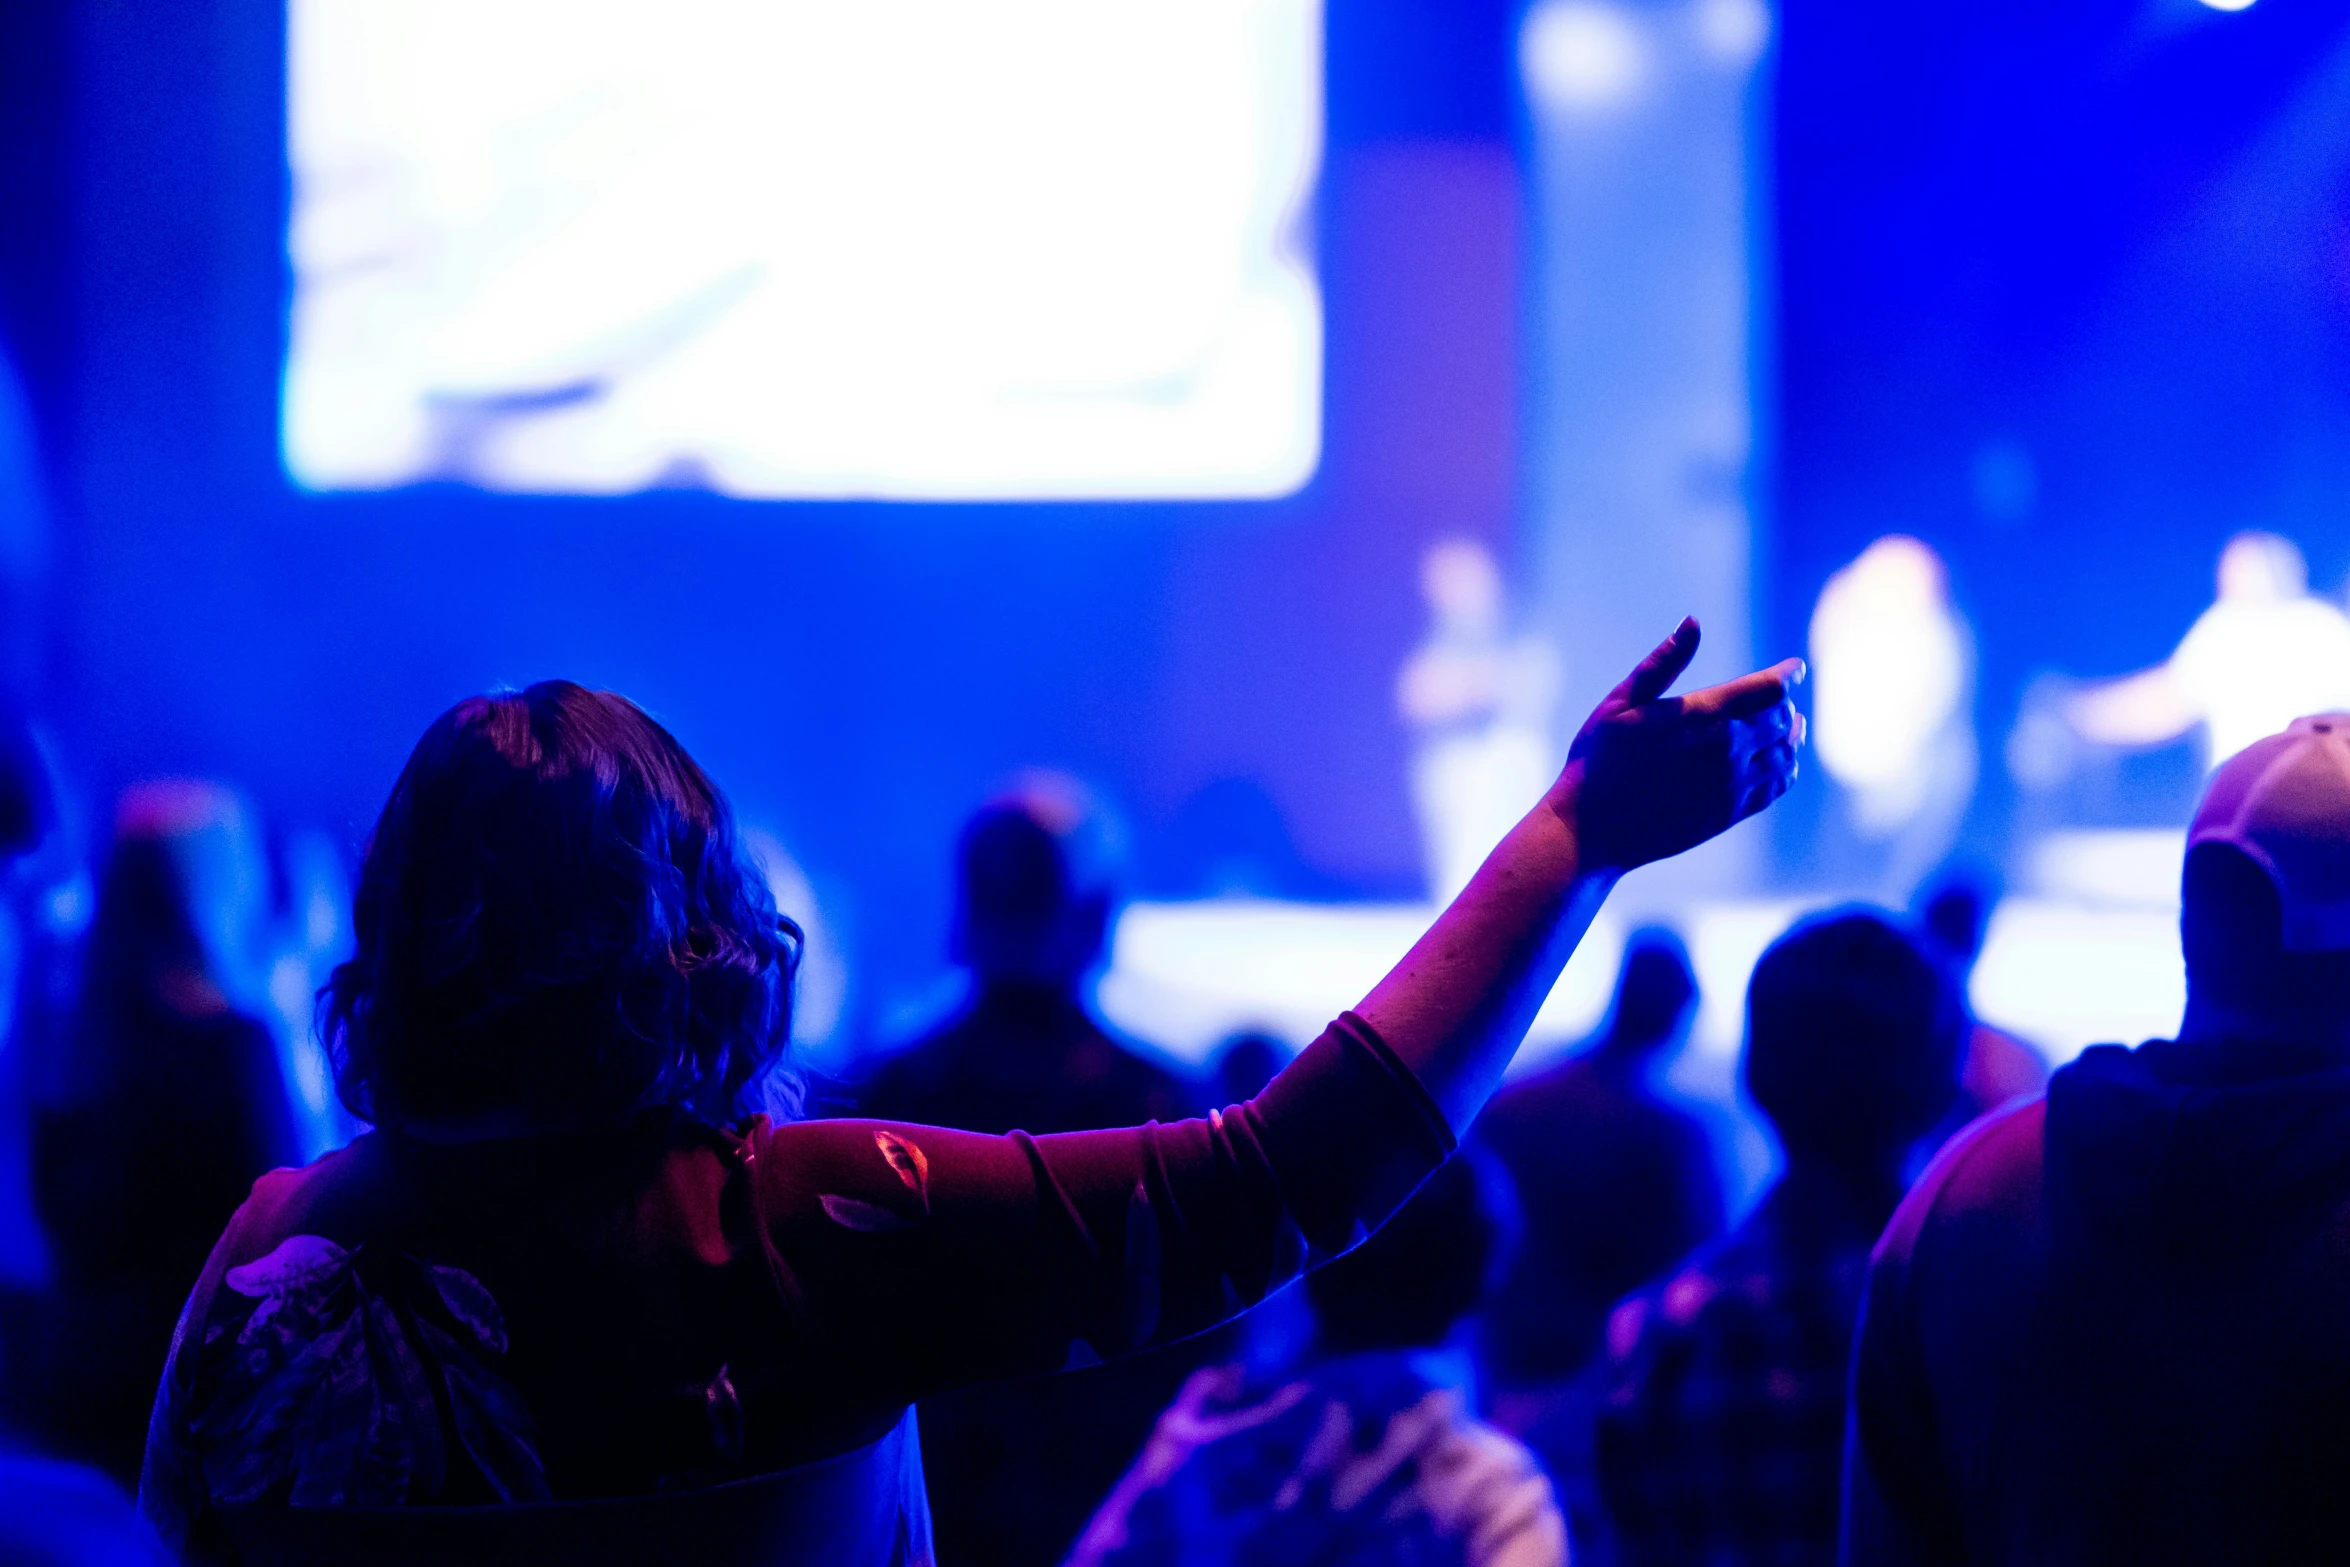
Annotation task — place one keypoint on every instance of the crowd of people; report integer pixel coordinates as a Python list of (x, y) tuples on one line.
[(594, 1283)]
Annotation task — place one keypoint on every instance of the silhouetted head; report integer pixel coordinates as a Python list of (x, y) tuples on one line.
[(1656, 993), (1244, 1064), (1954, 913), (1953, 917), (1853, 1035), (1429, 1266), (2264, 909), (1032, 887), (180, 903), (557, 927)]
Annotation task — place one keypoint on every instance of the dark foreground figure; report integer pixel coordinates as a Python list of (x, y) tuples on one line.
[(166, 1104), (1722, 1435), (571, 1281), (2113, 1326), (1617, 1185), (1015, 1468)]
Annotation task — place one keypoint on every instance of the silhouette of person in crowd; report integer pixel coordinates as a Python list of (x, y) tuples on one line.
[(26, 809), (1363, 1450), (169, 1104), (1243, 1064), (1998, 1067), (51, 1510), (1617, 1185), (1013, 1470), (2109, 1325), (1721, 1439), (1033, 898), (575, 1266)]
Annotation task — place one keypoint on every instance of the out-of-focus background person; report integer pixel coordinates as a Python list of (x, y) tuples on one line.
[(165, 1105), (1617, 1185), (1365, 1448), (54, 1512), (1034, 895), (2264, 653), (1722, 1438), (1997, 1068), (1014, 1469), (1480, 699)]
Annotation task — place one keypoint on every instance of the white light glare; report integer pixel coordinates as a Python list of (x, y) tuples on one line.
[(2229, 5), (794, 247), (1733, 31), (1581, 55)]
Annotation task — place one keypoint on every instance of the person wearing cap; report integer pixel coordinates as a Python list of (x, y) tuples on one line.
[(2113, 1324)]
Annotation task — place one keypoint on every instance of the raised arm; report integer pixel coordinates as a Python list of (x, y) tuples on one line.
[(1649, 776), (941, 1257)]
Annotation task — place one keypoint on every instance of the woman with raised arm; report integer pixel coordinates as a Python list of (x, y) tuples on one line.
[(570, 1297)]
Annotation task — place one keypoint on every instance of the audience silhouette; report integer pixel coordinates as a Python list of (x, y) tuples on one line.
[(1998, 1068), (168, 1103), (2107, 1325), (1363, 1450), (1014, 1469), (1033, 899), (1722, 1436), (1617, 1184), (574, 1292)]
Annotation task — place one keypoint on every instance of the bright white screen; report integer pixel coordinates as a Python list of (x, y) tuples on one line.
[(917, 248)]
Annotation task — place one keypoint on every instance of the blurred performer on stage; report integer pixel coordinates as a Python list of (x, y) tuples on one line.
[(1892, 709), (1480, 701), (2264, 654)]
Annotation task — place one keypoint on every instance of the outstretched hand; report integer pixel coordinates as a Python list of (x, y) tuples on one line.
[(1651, 775)]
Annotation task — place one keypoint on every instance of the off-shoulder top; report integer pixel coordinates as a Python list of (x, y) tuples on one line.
[(673, 1305)]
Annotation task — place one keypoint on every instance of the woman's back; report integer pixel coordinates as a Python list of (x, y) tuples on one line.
[(673, 1305), (557, 929)]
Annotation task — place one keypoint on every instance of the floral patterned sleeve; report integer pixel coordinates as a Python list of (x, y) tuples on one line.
[(924, 1258)]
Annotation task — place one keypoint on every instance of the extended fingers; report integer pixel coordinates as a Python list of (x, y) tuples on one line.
[(1749, 695), (1655, 674)]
